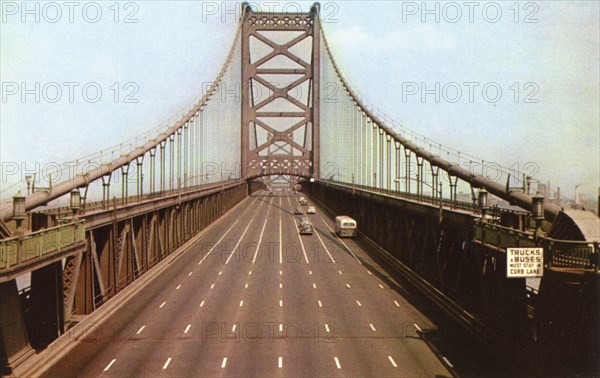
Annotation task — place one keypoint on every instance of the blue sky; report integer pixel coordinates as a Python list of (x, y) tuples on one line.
[(548, 48)]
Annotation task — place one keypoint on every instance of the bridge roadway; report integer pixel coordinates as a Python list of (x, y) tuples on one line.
[(237, 304)]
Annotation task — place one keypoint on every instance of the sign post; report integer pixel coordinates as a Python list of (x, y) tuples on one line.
[(524, 262)]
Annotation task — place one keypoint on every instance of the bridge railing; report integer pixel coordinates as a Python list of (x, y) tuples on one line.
[(557, 253), (445, 202), (37, 245), (65, 211)]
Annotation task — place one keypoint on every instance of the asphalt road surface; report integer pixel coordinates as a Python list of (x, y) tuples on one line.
[(253, 297)]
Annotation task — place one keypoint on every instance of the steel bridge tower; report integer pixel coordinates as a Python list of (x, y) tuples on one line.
[(280, 93)]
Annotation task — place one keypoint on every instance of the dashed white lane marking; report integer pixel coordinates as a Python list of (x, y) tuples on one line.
[(348, 286), (250, 273), (162, 305), (280, 303), (326, 327), (224, 363), (166, 365), (110, 364), (221, 272), (338, 238), (187, 328), (340, 272), (381, 286), (280, 327), (280, 362), (215, 246), (233, 328), (372, 327), (324, 246), (190, 273), (417, 327), (320, 304), (281, 273), (245, 286), (310, 272), (337, 363), (358, 303), (241, 303), (140, 330), (212, 286), (281, 286), (314, 285), (280, 243), (178, 287), (448, 362), (370, 274), (262, 232), (397, 304), (201, 303), (392, 361)]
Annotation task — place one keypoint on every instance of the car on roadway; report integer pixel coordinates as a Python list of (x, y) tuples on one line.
[(305, 227), (311, 210), (298, 211), (302, 201)]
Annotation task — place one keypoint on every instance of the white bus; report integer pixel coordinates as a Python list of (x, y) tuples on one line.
[(345, 226)]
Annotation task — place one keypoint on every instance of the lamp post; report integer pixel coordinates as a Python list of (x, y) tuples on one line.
[(28, 180), (537, 210), (75, 201), (19, 214), (482, 202)]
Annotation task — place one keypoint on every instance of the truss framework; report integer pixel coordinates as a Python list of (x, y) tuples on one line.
[(280, 122)]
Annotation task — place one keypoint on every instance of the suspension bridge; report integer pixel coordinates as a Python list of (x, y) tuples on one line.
[(179, 253)]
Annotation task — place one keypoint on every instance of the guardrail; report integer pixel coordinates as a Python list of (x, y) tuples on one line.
[(129, 200), (557, 253), (36, 245), (494, 211)]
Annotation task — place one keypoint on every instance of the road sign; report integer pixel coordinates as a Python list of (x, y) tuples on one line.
[(524, 262)]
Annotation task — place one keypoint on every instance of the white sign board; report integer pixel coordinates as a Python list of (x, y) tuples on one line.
[(524, 262)]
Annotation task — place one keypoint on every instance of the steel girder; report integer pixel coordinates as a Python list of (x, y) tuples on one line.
[(271, 143)]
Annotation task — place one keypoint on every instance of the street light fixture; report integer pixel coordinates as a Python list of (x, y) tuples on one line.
[(28, 180), (75, 201), (482, 201), (19, 214)]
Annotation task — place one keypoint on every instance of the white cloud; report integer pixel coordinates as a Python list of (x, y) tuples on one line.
[(409, 38)]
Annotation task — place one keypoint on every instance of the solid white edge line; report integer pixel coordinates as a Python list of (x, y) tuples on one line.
[(110, 364), (323, 244), (448, 362), (220, 240), (262, 232), (280, 239), (302, 244)]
